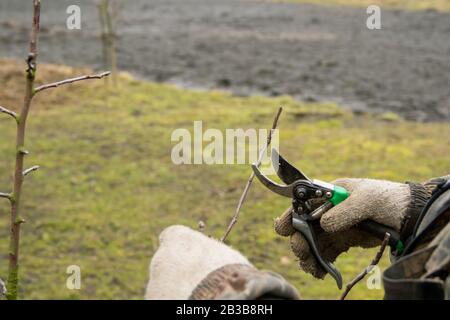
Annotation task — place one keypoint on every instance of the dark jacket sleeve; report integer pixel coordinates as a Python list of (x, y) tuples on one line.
[(422, 272)]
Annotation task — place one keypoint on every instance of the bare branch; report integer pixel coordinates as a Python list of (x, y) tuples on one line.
[(72, 80), (374, 262), (5, 195), (13, 278), (252, 176), (8, 112), (19, 172), (29, 170)]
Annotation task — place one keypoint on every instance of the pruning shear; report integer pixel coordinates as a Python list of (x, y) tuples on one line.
[(302, 190)]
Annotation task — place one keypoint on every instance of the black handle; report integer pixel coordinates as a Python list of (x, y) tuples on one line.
[(302, 225)]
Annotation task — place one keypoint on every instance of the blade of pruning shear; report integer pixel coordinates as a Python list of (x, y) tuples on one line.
[(295, 181), (285, 191), (286, 171)]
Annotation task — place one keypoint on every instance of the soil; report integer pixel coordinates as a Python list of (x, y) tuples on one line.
[(311, 52)]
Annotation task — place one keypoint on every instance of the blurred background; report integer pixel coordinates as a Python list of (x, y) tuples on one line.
[(358, 103)]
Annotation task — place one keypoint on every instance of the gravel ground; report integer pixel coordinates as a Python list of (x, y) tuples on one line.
[(249, 47)]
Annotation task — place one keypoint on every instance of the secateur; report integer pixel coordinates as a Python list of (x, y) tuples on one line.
[(303, 191)]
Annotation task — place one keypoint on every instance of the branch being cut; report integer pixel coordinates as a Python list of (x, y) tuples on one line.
[(374, 262), (29, 170), (72, 80), (8, 112), (252, 176)]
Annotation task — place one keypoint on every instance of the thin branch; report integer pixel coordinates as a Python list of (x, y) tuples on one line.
[(374, 262), (13, 269), (29, 170), (72, 80), (19, 171), (250, 179), (8, 112), (5, 195)]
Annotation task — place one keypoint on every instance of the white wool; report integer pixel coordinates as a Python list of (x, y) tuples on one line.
[(183, 259)]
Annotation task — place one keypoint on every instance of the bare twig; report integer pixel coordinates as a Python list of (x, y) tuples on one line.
[(374, 262), (5, 195), (13, 270), (108, 14), (72, 80), (8, 112), (29, 170), (252, 176)]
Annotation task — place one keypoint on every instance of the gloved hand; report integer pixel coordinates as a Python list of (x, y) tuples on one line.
[(381, 201), (189, 265)]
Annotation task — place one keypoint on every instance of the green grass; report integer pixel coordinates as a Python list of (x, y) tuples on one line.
[(107, 186), (440, 5)]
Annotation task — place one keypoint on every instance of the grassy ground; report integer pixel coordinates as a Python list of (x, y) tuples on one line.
[(440, 5), (107, 186)]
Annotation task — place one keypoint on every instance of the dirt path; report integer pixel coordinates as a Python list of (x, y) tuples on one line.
[(310, 52)]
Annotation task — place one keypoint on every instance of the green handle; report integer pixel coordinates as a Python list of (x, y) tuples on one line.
[(339, 195)]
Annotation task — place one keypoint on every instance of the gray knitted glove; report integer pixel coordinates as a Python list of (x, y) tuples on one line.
[(2, 288), (188, 264), (381, 201)]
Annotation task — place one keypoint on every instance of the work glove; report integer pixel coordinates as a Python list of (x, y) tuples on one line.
[(385, 202), (190, 265), (2, 289)]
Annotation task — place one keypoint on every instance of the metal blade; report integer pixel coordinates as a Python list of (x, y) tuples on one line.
[(287, 172), (286, 191)]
